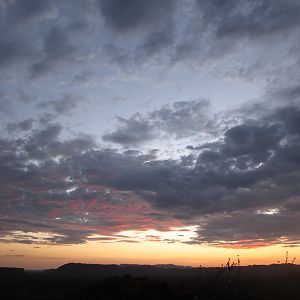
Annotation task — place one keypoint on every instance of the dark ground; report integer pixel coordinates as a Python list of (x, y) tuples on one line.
[(91, 282)]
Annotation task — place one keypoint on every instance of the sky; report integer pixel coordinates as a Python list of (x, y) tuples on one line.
[(149, 131)]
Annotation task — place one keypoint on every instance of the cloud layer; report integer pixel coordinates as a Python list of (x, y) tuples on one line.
[(168, 73), (237, 189), (182, 119)]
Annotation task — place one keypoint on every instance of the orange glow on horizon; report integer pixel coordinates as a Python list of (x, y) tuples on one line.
[(151, 250)]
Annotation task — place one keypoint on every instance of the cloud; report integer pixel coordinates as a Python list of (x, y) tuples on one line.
[(154, 21), (55, 185), (134, 14), (20, 11), (157, 44), (5, 105), (201, 32), (62, 106), (249, 176), (216, 33), (130, 132), (255, 165), (57, 48), (45, 143), (179, 120), (116, 55), (157, 41), (197, 32), (250, 18), (11, 52), (25, 125), (184, 118), (250, 229), (14, 44), (74, 188)]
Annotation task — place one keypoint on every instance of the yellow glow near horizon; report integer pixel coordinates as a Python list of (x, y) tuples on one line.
[(151, 250), (175, 234)]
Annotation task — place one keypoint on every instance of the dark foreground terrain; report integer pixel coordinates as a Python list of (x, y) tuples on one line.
[(79, 281)]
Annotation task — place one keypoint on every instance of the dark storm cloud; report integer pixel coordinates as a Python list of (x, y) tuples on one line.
[(134, 14), (181, 119)]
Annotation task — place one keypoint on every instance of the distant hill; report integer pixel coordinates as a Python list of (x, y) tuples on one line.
[(101, 271), (165, 271), (75, 281)]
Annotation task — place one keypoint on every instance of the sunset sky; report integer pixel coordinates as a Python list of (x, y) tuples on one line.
[(149, 131)]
